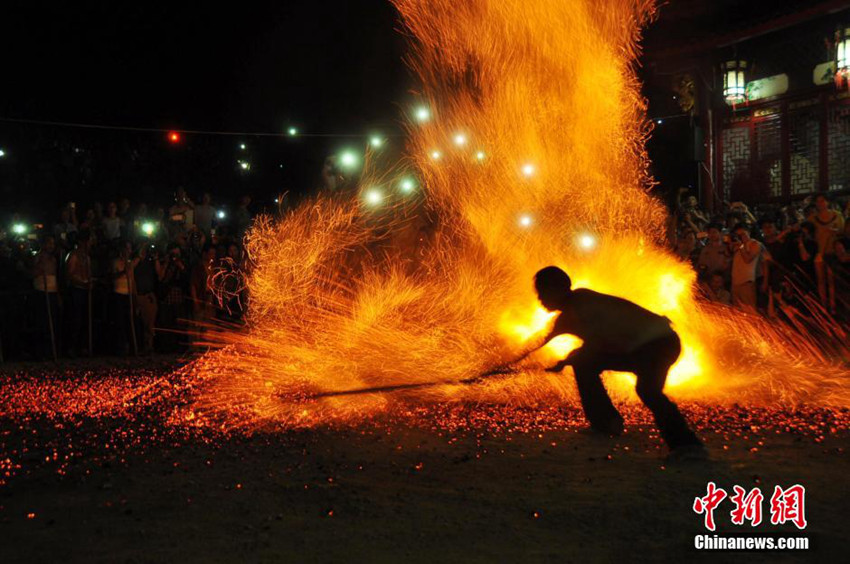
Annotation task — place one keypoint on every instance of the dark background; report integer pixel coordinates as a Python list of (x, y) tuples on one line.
[(330, 67), (333, 69)]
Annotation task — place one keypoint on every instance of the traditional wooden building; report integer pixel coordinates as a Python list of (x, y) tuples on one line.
[(763, 87)]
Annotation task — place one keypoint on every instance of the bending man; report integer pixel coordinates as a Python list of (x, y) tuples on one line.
[(618, 335)]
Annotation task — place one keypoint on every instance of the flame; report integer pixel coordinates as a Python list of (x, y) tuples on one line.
[(343, 295)]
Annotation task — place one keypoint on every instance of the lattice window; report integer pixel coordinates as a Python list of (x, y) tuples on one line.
[(768, 162), (736, 158), (804, 158), (838, 134)]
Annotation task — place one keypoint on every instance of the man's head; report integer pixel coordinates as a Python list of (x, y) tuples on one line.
[(716, 281), (715, 233), (742, 231), (768, 228), (821, 203), (553, 287)]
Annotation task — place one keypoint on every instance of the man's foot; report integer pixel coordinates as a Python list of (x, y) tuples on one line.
[(613, 427), (688, 453)]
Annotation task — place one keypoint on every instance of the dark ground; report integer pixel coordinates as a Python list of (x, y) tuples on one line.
[(439, 483)]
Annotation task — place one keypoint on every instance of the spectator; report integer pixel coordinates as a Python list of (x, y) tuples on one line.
[(800, 252), (65, 229), (145, 277), (745, 262), (46, 303), (828, 226), (122, 285), (774, 263), (173, 284), (243, 217), (203, 308), (716, 290), (112, 224), (204, 215), (181, 214), (686, 247), (79, 272), (714, 256)]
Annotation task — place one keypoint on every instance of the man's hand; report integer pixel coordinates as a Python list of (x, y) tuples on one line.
[(557, 367)]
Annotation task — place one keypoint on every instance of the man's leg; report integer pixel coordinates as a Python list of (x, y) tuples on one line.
[(600, 412), (652, 363)]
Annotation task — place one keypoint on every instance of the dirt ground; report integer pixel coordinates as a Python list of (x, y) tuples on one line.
[(434, 484)]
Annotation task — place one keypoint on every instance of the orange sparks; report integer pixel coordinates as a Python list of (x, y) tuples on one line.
[(351, 292)]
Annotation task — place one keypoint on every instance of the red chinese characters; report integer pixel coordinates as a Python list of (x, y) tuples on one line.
[(747, 507), (709, 503), (789, 505), (786, 505)]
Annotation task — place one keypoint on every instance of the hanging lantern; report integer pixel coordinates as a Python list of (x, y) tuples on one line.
[(842, 53), (734, 81)]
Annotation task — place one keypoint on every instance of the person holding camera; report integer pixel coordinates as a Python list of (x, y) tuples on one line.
[(146, 278), (173, 284), (745, 264)]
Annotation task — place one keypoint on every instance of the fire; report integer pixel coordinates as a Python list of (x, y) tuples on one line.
[(344, 295)]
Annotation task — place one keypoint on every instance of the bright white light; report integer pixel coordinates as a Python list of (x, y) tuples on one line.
[(376, 141), (243, 146), (2, 153), (148, 228), (586, 241), (293, 131), (436, 155), (528, 169), (244, 165), (480, 155), (348, 159), (221, 214), (19, 229), (659, 122), (422, 114), (525, 220), (407, 185), (277, 200), (460, 139), (374, 196)]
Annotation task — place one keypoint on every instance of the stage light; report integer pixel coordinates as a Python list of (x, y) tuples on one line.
[(376, 142), (480, 155), (293, 131), (374, 197), (422, 114), (460, 139), (19, 229), (407, 185), (586, 241), (528, 170), (148, 228), (244, 165), (436, 155), (525, 220), (221, 214), (243, 146), (348, 159), (174, 137), (2, 153)]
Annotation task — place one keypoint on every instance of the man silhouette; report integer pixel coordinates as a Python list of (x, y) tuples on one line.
[(618, 335)]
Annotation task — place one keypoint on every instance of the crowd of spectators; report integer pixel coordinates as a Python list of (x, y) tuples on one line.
[(119, 278), (771, 258), (124, 278)]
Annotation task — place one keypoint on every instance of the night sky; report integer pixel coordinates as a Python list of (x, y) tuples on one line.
[(244, 66)]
